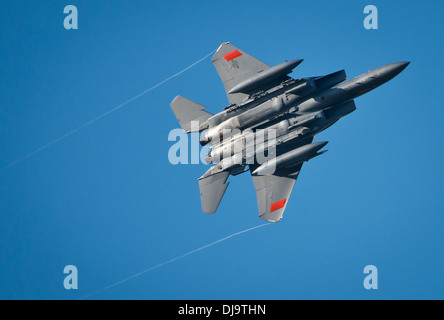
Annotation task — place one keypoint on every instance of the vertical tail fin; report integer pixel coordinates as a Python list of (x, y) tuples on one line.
[(186, 111), (212, 189)]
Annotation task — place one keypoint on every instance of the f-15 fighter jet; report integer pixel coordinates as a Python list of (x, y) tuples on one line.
[(269, 126)]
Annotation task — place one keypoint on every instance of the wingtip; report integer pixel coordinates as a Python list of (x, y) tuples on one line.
[(222, 44)]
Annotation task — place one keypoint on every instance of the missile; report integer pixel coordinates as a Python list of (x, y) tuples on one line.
[(292, 157), (265, 76), (279, 130)]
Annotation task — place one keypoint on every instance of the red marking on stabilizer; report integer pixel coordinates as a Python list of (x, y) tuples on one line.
[(277, 205), (232, 55)]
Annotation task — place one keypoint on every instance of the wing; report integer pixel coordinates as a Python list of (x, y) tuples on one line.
[(234, 66), (273, 192)]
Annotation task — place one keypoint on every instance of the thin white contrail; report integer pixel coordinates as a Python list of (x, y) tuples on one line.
[(101, 116), (172, 260)]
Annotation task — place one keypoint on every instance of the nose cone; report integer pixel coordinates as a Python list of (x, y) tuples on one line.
[(404, 64), (397, 67), (393, 69)]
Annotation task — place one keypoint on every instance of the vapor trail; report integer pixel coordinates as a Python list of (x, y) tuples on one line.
[(173, 260), (66, 135)]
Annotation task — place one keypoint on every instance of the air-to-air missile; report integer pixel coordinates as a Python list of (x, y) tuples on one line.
[(269, 126)]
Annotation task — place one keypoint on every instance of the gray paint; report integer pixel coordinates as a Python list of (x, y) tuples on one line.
[(263, 97)]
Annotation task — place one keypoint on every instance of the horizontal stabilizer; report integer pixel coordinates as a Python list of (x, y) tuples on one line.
[(212, 189), (187, 111)]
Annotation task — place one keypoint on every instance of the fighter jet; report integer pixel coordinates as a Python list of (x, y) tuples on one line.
[(269, 126)]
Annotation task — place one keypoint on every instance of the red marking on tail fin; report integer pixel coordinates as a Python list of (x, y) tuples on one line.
[(232, 55), (277, 205)]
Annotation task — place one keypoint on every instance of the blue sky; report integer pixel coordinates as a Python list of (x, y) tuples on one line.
[(107, 200)]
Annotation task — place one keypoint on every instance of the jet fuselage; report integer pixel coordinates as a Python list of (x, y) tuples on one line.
[(269, 126)]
